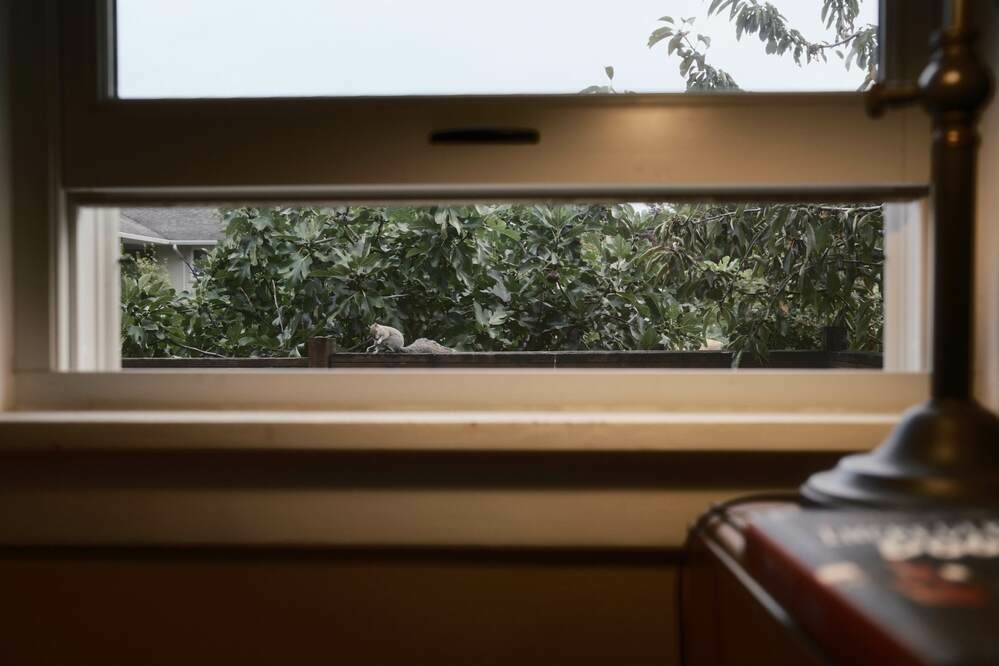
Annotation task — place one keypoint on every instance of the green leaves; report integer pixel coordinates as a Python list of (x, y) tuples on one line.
[(500, 291), (152, 313), (763, 20), (299, 268), (659, 34), (602, 89), (511, 278), (694, 67), (771, 276)]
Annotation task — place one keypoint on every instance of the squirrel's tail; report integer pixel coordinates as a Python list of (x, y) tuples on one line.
[(425, 346)]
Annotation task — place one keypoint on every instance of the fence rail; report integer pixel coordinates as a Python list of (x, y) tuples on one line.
[(570, 359)]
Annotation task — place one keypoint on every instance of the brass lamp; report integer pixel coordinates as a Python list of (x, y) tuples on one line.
[(945, 452)]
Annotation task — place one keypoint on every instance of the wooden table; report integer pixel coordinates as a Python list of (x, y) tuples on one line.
[(726, 617)]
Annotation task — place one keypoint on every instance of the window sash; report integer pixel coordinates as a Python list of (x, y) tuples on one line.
[(823, 141), (768, 144)]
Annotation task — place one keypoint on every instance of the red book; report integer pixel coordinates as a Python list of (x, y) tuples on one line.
[(884, 588)]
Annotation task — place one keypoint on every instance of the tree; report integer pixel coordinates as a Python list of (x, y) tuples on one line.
[(836, 264), (513, 277), (481, 278), (151, 314), (489, 278), (856, 46), (773, 276)]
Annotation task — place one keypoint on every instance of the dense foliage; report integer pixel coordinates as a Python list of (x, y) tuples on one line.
[(152, 314), (512, 278), (520, 278), (855, 45)]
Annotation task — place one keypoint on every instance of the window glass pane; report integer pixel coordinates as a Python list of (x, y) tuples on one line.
[(236, 48), (686, 285)]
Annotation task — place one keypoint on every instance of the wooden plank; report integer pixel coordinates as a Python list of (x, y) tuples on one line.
[(320, 349), (568, 359), (379, 606), (855, 359), (209, 363), (580, 359)]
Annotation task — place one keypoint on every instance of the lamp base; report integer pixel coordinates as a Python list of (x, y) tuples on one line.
[(943, 453)]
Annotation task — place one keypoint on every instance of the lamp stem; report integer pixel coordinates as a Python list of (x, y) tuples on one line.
[(954, 176), (956, 14), (955, 147)]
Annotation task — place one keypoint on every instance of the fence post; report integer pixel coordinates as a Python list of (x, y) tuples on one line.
[(835, 338), (319, 352)]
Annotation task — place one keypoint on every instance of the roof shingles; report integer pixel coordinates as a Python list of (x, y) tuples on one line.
[(173, 224)]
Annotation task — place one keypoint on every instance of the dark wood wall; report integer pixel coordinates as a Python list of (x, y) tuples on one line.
[(160, 604), (149, 608)]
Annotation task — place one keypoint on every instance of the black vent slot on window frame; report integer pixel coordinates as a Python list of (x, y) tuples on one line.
[(509, 136)]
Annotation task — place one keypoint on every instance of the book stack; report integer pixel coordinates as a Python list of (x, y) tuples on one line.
[(884, 588)]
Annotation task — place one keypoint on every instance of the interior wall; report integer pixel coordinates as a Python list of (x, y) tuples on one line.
[(987, 241), (178, 603), (342, 609), (6, 277)]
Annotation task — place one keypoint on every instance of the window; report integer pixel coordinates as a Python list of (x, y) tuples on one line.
[(427, 147), (783, 285), (117, 150), (88, 147), (226, 48)]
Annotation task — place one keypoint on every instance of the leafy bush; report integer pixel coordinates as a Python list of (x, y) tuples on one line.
[(151, 311), (511, 278)]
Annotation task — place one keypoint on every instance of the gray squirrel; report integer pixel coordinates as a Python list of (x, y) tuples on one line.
[(391, 339)]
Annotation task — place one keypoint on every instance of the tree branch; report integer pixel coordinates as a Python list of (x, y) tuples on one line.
[(200, 351)]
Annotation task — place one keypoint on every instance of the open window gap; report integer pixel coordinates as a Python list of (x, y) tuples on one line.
[(500, 285)]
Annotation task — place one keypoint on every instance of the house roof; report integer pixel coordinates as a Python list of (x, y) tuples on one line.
[(180, 226)]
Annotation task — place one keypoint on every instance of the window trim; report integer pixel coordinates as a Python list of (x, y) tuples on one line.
[(52, 178), (491, 390), (94, 330), (460, 410), (907, 286)]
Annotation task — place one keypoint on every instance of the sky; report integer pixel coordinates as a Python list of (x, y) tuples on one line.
[(268, 48)]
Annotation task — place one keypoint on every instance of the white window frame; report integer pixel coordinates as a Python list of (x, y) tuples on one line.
[(94, 331), (91, 158), (591, 148), (907, 286)]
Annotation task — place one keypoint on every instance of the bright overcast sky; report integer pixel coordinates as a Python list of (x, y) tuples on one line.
[(257, 48)]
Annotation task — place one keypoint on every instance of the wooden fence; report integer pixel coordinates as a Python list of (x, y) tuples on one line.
[(321, 356)]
